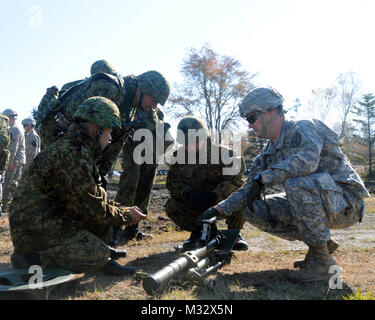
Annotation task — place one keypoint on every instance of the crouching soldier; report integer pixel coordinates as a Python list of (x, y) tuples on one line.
[(61, 216), (196, 187), (322, 189)]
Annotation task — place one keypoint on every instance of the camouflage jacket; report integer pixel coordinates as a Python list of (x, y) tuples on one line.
[(4, 142), (60, 193), (204, 177), (152, 120), (56, 114), (32, 143), (302, 148), (68, 85)]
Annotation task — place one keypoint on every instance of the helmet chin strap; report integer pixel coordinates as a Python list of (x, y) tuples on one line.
[(140, 99)]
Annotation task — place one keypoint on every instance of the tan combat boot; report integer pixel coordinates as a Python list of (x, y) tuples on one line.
[(332, 246), (317, 266)]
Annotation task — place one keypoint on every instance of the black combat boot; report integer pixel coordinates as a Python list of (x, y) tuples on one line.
[(141, 235), (118, 253), (113, 268), (191, 243), (241, 245)]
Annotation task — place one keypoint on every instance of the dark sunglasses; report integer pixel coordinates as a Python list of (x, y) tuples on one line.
[(251, 119)]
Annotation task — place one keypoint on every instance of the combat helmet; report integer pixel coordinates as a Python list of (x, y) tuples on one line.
[(154, 84), (191, 123), (29, 121), (102, 66), (100, 111), (261, 99), (10, 113)]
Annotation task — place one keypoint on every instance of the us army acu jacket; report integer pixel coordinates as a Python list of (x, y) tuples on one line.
[(302, 148)]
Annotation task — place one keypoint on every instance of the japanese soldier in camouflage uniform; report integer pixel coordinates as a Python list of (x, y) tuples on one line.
[(4, 152), (17, 159), (32, 140), (136, 180), (61, 216), (56, 112), (322, 189), (196, 187)]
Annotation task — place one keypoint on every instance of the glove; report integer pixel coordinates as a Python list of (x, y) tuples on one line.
[(255, 190), (210, 213), (200, 200)]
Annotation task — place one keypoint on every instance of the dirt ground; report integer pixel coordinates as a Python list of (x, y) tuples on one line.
[(255, 274), (359, 236)]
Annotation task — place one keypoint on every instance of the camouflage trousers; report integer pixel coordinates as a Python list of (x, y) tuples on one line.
[(136, 181), (83, 252), (310, 206), (10, 185), (184, 216)]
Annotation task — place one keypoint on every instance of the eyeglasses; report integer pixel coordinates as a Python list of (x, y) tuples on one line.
[(251, 119)]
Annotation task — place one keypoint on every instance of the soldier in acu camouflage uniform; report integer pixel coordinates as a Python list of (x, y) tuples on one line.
[(196, 187), (17, 158), (4, 152), (61, 216), (32, 140), (322, 189)]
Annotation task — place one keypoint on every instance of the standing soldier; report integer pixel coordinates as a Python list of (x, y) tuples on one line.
[(32, 140), (322, 189), (136, 180), (61, 216), (17, 159), (56, 111), (196, 187), (4, 152)]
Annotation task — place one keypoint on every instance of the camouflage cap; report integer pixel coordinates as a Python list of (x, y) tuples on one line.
[(154, 84), (102, 66), (261, 100), (99, 110), (28, 121), (10, 113), (190, 123)]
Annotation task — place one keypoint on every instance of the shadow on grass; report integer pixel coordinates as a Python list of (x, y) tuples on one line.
[(259, 285), (270, 285)]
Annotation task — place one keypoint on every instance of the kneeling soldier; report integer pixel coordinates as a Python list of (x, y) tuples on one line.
[(61, 216), (196, 187)]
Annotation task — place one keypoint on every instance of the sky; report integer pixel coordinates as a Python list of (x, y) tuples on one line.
[(292, 45)]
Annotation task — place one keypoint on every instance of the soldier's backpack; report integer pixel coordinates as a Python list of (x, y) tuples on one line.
[(56, 109)]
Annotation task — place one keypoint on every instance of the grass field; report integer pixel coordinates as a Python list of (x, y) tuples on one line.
[(258, 274)]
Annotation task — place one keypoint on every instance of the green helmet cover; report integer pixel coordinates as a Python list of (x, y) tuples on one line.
[(154, 84), (99, 110), (190, 123), (102, 66)]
